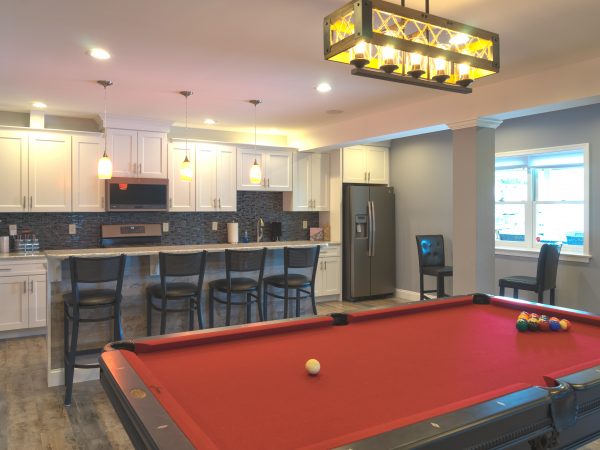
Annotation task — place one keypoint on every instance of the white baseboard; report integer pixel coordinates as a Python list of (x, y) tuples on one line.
[(26, 332), (56, 377), (408, 295)]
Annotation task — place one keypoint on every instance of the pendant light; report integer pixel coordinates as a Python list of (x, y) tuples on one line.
[(255, 170), (186, 171), (105, 164)]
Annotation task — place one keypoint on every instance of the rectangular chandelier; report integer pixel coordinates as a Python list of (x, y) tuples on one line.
[(391, 42)]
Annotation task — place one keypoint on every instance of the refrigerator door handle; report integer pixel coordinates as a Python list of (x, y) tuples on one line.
[(373, 229), (370, 231)]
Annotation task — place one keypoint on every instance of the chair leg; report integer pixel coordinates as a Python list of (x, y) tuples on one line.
[(297, 303), (421, 287), (515, 293), (191, 303), (163, 316), (148, 314), (440, 286), (70, 362), (248, 308), (313, 300), (199, 311), (501, 290), (552, 296), (285, 303), (265, 306), (118, 324), (211, 308), (259, 307), (540, 298), (228, 310)]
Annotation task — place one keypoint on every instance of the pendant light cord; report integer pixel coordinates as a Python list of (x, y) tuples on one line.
[(186, 127), (255, 105), (105, 143)]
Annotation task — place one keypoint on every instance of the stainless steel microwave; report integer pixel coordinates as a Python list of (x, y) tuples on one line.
[(137, 194)]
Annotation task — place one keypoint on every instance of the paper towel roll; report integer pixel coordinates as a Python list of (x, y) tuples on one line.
[(232, 232)]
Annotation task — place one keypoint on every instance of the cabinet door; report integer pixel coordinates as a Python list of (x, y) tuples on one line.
[(13, 171), (182, 194), (245, 159), (355, 165), (225, 179), (49, 172), (152, 154), (206, 170), (37, 301), (377, 165), (302, 198), (331, 284), (88, 190), (320, 181), (279, 171), (14, 305), (122, 149)]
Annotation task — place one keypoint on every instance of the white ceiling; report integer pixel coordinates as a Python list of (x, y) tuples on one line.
[(229, 51)]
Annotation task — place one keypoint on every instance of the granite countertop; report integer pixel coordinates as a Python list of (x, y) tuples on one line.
[(14, 256), (153, 250)]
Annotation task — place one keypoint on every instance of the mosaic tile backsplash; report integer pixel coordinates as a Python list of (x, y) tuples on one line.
[(52, 229)]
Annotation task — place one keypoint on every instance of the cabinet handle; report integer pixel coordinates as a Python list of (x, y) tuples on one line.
[(24, 202), (265, 181), (31, 286), (325, 264), (268, 182), (140, 172), (170, 202), (369, 176), (24, 287), (365, 176), (214, 202), (5, 270), (102, 201), (219, 202), (31, 202)]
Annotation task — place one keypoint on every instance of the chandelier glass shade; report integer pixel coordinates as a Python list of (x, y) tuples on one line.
[(395, 43)]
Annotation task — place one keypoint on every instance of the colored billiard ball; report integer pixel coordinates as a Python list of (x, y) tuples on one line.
[(522, 325), (312, 366), (564, 324), (544, 325), (554, 325), (534, 316), (533, 324), (555, 319), (523, 316)]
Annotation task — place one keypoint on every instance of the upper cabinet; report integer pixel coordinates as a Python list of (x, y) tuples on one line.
[(88, 190), (311, 183), (35, 174), (138, 154), (276, 166), (365, 164), (213, 186)]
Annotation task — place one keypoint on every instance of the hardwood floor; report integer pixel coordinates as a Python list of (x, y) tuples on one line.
[(32, 416)]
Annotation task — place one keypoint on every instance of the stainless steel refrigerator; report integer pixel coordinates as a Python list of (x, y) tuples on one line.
[(369, 242)]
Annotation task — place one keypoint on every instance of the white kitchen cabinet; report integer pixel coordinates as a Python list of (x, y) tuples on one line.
[(88, 190), (216, 174), (226, 178), (13, 171), (276, 166), (365, 164), (328, 279), (137, 154), (311, 183), (22, 295), (49, 172), (182, 194)]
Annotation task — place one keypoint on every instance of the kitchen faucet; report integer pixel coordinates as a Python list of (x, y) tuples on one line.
[(259, 229)]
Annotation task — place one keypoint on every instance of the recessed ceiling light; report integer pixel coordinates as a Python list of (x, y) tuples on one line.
[(334, 112), (39, 105), (99, 53), (209, 121), (324, 87)]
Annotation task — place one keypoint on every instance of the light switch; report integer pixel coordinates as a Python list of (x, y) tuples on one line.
[(304, 224), (215, 226), (12, 230), (72, 228), (165, 227)]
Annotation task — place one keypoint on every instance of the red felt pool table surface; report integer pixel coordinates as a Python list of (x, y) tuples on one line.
[(387, 369)]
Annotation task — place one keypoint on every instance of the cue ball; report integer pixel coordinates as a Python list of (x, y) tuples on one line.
[(312, 366)]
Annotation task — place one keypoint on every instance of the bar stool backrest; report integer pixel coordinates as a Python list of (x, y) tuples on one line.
[(245, 261), (96, 270), (301, 258), (548, 266), (431, 250), (182, 265)]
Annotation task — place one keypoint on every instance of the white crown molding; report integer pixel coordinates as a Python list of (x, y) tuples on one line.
[(480, 122), (134, 123)]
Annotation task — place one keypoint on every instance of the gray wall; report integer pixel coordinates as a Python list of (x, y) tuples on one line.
[(421, 173)]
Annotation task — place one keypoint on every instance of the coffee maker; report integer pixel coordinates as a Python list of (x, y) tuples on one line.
[(275, 231)]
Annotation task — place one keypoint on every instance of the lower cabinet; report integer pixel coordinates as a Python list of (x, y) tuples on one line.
[(22, 296), (329, 272)]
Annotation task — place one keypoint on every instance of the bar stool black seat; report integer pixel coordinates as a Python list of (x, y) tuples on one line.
[(242, 262), (90, 271), (432, 262), (544, 280), (302, 284), (177, 265)]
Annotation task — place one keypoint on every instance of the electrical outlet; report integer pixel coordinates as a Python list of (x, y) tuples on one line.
[(304, 224), (165, 227), (215, 226), (12, 230), (72, 228)]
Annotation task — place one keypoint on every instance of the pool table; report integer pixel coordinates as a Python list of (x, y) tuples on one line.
[(448, 374)]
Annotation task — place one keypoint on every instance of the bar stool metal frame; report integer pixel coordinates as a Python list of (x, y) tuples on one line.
[(239, 261), (294, 258), (177, 265), (90, 271)]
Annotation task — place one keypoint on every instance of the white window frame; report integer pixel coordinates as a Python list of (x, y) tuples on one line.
[(529, 247)]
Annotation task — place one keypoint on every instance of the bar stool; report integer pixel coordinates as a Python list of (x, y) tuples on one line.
[(90, 271), (239, 261), (432, 261), (294, 258), (177, 265)]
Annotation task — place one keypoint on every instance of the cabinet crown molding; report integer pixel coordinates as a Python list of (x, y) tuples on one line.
[(134, 123)]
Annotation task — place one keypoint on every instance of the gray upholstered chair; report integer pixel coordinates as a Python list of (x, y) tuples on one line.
[(432, 261)]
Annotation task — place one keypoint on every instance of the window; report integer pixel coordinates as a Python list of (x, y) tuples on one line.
[(542, 196)]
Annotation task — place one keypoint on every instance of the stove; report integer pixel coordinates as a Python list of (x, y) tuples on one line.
[(130, 234)]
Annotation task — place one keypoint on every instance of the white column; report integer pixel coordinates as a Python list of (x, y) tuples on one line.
[(473, 206)]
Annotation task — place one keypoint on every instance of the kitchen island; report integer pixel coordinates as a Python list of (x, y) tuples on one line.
[(141, 269)]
